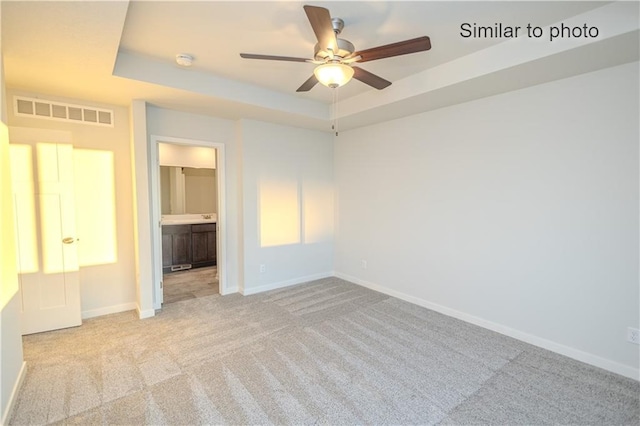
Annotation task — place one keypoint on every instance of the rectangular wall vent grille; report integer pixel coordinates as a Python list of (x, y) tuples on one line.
[(52, 110)]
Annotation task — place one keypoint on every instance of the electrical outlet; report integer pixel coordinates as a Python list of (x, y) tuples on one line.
[(364, 264), (263, 268), (633, 335)]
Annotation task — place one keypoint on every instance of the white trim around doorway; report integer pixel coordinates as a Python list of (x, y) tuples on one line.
[(154, 199)]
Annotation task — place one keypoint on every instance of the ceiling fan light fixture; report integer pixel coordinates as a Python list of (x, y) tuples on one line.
[(333, 74)]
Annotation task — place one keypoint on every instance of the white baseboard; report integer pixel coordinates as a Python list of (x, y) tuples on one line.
[(568, 351), (229, 290), (109, 310), (147, 313), (14, 393), (254, 290)]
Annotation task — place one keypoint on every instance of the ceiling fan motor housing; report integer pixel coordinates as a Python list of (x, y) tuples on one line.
[(345, 48)]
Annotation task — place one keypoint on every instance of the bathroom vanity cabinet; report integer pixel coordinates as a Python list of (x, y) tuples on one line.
[(203, 244), (189, 244)]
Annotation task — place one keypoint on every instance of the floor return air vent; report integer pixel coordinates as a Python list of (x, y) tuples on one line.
[(182, 267)]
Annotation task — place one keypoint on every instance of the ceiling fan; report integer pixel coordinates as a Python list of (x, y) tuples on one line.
[(334, 55)]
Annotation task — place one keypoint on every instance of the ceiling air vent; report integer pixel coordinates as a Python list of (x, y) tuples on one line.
[(52, 110)]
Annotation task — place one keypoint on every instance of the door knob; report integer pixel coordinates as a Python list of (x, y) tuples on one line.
[(68, 240)]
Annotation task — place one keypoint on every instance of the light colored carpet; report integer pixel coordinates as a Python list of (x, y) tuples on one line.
[(326, 352), (189, 284)]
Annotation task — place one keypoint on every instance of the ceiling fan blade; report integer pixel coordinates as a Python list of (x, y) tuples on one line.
[(419, 44), (308, 85), (351, 59), (272, 58), (370, 79), (320, 21)]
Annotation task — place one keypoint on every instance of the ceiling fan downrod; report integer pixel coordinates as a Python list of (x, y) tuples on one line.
[(338, 25)]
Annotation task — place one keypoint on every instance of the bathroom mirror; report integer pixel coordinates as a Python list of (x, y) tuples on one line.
[(186, 190)]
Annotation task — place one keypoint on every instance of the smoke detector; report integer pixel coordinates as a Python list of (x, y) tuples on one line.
[(184, 60)]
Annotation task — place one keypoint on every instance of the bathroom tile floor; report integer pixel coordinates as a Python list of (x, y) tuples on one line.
[(190, 284)]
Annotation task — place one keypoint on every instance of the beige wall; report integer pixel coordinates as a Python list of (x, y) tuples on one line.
[(186, 156), (200, 189), (107, 280), (165, 191)]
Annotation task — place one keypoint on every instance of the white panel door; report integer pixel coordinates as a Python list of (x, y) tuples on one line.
[(42, 178)]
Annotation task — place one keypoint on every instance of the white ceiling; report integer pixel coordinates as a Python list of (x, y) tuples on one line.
[(116, 51)]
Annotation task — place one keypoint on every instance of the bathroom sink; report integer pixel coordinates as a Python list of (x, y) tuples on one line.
[(184, 219)]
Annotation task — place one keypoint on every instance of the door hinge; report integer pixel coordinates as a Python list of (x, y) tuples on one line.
[(160, 284)]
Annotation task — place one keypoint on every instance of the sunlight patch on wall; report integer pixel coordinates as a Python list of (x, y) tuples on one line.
[(95, 206), (318, 212), (24, 208), (279, 206), (8, 278)]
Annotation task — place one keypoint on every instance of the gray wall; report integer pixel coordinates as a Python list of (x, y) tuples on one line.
[(107, 282), (258, 153), (11, 357), (518, 212), (288, 204)]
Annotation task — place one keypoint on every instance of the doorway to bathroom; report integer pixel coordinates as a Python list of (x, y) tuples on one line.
[(187, 187)]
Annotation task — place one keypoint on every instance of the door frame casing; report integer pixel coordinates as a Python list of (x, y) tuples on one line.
[(156, 215)]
